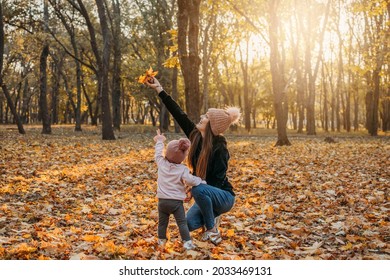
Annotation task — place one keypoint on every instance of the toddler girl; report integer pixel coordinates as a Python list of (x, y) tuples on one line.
[(173, 177)]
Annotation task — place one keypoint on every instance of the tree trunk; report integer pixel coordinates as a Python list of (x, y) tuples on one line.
[(372, 104), (175, 94), (69, 92), (188, 31), (25, 102), (56, 77), (164, 118), (72, 35), (356, 109), (43, 106), (356, 113), (107, 129), (12, 107), (116, 79), (245, 73), (3, 86), (312, 73), (372, 116), (152, 114), (78, 96), (386, 113), (300, 83), (278, 82), (376, 46), (209, 33), (102, 62), (92, 116), (326, 115), (1, 109)]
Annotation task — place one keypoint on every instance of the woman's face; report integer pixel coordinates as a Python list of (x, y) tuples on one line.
[(201, 126)]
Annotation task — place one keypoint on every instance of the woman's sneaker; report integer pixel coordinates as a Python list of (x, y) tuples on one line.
[(188, 245), (214, 237)]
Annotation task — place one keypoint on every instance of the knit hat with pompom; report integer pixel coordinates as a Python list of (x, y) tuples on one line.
[(177, 150), (221, 119)]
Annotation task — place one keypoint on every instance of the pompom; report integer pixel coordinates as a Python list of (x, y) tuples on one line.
[(234, 113), (184, 144)]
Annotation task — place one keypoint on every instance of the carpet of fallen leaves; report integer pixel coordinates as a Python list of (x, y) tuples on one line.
[(74, 196)]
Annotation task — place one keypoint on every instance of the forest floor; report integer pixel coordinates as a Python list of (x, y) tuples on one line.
[(74, 196)]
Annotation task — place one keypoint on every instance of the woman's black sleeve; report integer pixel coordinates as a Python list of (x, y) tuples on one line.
[(178, 114)]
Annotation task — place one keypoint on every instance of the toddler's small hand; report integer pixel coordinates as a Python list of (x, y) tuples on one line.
[(159, 136)]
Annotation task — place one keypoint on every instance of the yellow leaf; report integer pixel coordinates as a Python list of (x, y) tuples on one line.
[(216, 256), (84, 108), (25, 248), (270, 212), (148, 74), (75, 230), (92, 238), (110, 246), (266, 256), (347, 247), (230, 233), (142, 79)]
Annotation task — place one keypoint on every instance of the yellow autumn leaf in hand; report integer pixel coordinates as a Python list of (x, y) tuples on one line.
[(148, 74), (142, 79)]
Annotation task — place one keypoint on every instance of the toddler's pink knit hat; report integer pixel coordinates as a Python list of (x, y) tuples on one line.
[(221, 119), (177, 150)]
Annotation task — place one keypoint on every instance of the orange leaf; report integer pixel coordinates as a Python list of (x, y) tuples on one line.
[(148, 74), (92, 238), (347, 247), (266, 256), (142, 79), (230, 233)]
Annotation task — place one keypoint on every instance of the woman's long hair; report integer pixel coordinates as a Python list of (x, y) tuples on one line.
[(207, 146)]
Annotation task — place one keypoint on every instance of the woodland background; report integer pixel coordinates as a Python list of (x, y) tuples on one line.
[(303, 65), (301, 71)]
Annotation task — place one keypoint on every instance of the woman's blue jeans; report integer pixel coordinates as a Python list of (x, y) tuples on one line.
[(210, 202)]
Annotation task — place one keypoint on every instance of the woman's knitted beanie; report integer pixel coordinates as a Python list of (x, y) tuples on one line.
[(177, 150), (221, 119)]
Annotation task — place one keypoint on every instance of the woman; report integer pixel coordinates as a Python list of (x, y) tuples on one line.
[(208, 158)]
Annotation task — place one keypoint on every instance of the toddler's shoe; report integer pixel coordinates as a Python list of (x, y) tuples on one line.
[(188, 245), (161, 242)]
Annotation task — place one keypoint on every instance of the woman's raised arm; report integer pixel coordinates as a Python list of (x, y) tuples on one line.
[(178, 114)]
